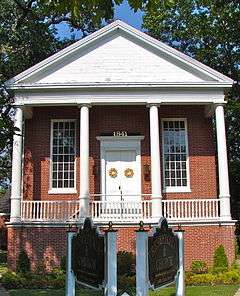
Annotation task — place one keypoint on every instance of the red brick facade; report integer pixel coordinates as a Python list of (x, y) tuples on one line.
[(46, 246), (133, 119), (49, 244)]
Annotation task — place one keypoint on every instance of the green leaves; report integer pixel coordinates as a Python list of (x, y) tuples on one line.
[(208, 31)]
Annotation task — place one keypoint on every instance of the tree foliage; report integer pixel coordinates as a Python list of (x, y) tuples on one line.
[(208, 31), (21, 46), (84, 15)]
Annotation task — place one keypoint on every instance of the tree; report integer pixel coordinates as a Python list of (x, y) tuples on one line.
[(208, 31), (20, 47), (84, 15)]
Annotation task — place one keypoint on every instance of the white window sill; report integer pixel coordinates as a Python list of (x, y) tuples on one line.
[(62, 191), (177, 190)]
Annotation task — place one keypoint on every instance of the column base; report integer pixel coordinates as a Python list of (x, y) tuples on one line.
[(15, 219), (156, 207), (84, 207), (225, 213)]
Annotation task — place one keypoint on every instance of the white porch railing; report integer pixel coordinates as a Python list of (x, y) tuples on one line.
[(120, 211), (191, 209)]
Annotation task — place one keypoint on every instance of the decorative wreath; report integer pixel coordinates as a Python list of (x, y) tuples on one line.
[(113, 173), (128, 173)]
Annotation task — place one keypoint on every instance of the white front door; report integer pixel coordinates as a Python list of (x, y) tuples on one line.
[(122, 175)]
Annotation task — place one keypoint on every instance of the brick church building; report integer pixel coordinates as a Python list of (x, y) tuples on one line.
[(119, 126)]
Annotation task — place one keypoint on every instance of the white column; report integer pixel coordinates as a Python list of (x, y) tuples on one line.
[(84, 161), (70, 277), (224, 194), (180, 283), (110, 288), (155, 163), (17, 168), (142, 278)]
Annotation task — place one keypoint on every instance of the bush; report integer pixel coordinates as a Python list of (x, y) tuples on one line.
[(40, 267), (126, 282), (229, 277), (3, 256), (220, 259), (199, 267), (125, 263), (63, 263), (200, 279), (23, 262), (11, 280)]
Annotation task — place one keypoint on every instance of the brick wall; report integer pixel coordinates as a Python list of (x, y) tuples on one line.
[(44, 246), (47, 245), (106, 119)]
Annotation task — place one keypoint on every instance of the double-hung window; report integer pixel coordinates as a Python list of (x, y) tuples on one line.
[(175, 155), (63, 152)]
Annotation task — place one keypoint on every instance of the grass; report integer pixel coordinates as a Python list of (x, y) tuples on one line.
[(228, 290)]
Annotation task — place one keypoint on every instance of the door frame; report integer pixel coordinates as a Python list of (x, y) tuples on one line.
[(117, 144)]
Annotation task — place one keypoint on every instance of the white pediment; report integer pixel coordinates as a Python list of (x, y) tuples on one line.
[(117, 61), (118, 54)]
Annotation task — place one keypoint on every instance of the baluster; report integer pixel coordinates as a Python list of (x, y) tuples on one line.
[(23, 210), (210, 209), (41, 210)]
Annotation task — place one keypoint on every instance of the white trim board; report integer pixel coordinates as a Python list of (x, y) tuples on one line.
[(119, 224), (116, 97)]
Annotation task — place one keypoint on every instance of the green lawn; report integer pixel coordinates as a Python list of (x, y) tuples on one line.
[(229, 290)]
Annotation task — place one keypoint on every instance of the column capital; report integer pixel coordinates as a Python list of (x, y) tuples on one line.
[(149, 105), (88, 105), (219, 105)]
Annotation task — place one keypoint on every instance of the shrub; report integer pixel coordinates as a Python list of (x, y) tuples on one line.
[(126, 281), (199, 267), (23, 262), (40, 267), (220, 259), (63, 263), (3, 256), (125, 263), (12, 280), (229, 277), (199, 279)]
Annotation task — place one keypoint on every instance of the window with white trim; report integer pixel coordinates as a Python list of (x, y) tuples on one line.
[(175, 153), (63, 154)]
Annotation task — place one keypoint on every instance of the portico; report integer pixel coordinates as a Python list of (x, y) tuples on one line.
[(134, 204)]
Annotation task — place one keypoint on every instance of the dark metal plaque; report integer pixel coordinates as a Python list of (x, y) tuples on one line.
[(162, 256), (88, 256)]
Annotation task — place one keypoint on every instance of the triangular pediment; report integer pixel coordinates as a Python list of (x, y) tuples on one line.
[(118, 56)]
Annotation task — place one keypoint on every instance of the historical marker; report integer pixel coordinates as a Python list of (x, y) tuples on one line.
[(88, 256), (162, 256)]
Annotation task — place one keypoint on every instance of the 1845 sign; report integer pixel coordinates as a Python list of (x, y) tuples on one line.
[(162, 256), (88, 256)]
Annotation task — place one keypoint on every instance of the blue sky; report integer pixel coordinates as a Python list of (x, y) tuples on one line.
[(122, 12)]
